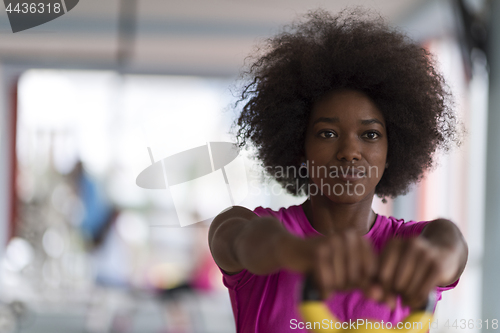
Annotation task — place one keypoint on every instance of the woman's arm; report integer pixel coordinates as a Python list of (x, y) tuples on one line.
[(413, 267), (239, 239), (451, 248)]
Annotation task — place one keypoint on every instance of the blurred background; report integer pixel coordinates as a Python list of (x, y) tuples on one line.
[(90, 100)]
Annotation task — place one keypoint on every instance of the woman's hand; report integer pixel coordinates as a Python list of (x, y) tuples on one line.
[(413, 267), (342, 261), (408, 267)]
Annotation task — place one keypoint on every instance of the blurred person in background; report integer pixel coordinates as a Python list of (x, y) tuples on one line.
[(99, 212)]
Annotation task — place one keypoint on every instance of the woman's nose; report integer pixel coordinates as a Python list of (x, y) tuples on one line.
[(349, 149)]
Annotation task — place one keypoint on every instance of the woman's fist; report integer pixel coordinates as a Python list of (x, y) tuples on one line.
[(407, 267), (343, 261)]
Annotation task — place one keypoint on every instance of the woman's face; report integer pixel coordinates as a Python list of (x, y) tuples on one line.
[(346, 147)]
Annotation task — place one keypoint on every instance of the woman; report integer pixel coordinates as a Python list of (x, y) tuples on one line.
[(358, 110)]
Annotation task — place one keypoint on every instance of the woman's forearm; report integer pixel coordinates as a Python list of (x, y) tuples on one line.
[(265, 246), (239, 239)]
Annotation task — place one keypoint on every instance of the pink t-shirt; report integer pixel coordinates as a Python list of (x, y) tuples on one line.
[(269, 303)]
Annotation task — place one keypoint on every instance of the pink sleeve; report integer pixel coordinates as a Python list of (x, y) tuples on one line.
[(261, 211), (410, 229), (439, 290), (235, 281)]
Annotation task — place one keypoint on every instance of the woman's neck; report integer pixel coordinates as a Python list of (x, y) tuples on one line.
[(328, 217)]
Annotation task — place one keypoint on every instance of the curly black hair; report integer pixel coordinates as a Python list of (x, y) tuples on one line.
[(352, 50)]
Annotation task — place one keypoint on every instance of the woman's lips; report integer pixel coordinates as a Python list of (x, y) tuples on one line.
[(351, 174)]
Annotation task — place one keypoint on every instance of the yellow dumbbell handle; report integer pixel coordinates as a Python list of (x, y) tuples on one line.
[(315, 312)]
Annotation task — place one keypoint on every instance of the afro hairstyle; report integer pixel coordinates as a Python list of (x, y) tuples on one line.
[(352, 50)]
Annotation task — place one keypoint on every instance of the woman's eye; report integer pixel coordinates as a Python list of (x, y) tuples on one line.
[(372, 135), (327, 134)]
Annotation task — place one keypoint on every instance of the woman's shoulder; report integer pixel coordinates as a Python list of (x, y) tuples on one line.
[(392, 226), (387, 227), (282, 211), (292, 217)]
